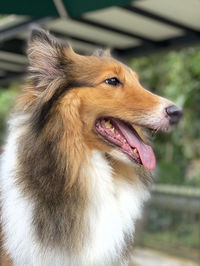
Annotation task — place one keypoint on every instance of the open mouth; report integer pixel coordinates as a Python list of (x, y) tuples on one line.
[(121, 134)]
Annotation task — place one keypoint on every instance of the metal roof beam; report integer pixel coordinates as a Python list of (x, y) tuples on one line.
[(19, 45), (10, 32), (73, 37), (13, 57), (113, 29), (159, 18), (146, 49), (10, 66)]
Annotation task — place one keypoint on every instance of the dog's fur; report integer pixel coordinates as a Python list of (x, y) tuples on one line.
[(68, 197)]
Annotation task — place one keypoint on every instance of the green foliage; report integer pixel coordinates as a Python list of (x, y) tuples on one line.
[(173, 231), (7, 97), (176, 76)]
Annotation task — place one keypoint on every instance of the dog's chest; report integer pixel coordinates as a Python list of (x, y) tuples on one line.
[(115, 204)]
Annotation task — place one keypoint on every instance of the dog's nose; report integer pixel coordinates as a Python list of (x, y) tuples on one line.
[(175, 113)]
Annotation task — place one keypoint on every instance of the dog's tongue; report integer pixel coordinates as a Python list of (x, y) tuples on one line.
[(145, 151)]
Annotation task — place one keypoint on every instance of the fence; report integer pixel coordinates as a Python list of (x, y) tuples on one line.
[(171, 221)]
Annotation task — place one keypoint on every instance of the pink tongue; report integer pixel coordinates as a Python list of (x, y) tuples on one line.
[(145, 151)]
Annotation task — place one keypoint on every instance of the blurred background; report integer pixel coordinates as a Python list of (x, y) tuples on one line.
[(161, 41)]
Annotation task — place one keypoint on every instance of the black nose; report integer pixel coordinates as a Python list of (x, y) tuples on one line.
[(175, 113)]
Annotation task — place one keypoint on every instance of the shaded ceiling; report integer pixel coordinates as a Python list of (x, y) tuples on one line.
[(131, 29)]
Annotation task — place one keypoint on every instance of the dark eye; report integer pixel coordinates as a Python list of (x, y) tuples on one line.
[(113, 81)]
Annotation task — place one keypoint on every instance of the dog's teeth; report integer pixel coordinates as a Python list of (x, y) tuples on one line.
[(108, 124), (135, 150), (124, 140), (112, 129)]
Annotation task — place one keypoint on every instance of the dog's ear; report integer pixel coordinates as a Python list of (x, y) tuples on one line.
[(47, 55), (102, 52)]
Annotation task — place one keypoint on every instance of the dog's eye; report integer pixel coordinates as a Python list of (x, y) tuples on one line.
[(113, 81)]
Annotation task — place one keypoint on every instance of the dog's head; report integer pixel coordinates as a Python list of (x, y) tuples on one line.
[(100, 101)]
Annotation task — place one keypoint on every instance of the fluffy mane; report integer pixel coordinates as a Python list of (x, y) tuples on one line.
[(72, 185)]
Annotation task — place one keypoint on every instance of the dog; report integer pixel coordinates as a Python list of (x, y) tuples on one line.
[(77, 164)]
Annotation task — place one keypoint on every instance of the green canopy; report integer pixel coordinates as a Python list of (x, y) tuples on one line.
[(40, 8)]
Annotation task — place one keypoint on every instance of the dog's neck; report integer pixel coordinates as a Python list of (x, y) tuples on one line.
[(94, 218)]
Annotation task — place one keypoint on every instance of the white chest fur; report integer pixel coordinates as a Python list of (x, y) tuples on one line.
[(114, 205)]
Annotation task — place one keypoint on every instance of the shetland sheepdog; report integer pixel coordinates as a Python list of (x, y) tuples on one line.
[(76, 166)]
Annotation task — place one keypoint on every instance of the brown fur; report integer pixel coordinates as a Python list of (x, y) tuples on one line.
[(65, 95), (5, 260), (61, 132)]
